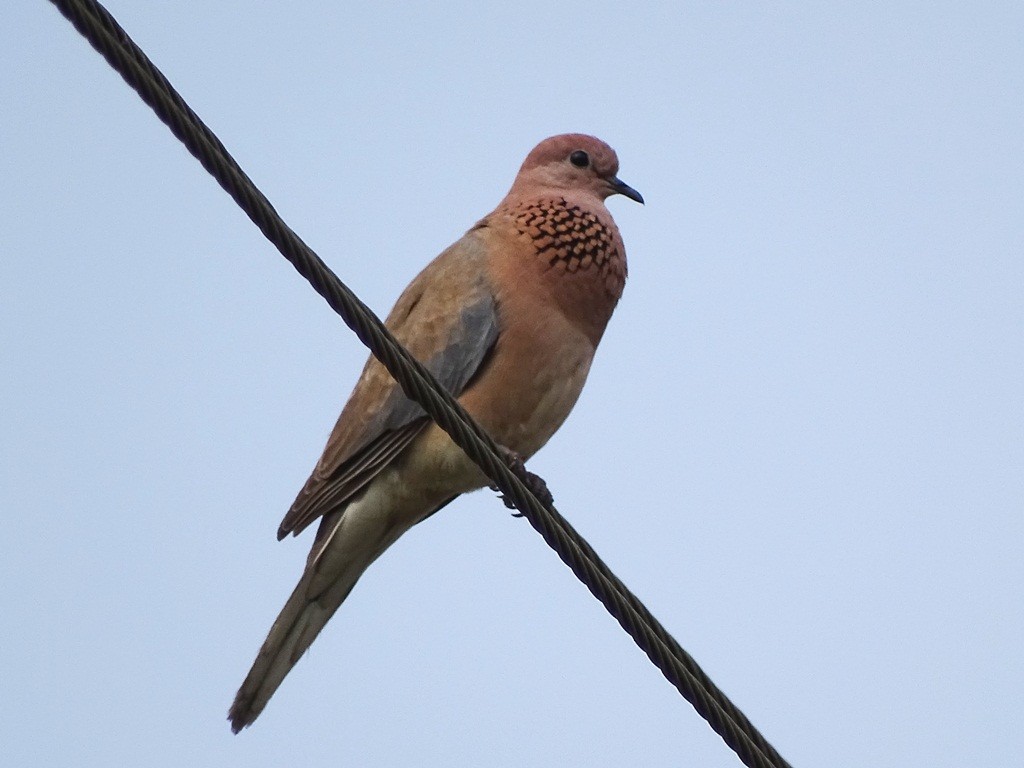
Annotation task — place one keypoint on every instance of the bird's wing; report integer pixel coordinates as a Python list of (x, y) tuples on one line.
[(448, 320)]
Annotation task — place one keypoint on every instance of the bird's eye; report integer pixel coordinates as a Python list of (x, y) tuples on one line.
[(579, 158)]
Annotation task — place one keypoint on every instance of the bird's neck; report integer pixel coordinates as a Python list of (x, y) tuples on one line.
[(575, 250)]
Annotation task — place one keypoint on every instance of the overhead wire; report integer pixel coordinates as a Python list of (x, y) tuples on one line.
[(96, 24)]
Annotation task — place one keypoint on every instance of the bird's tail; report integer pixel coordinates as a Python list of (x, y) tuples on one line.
[(323, 587), (298, 624), (347, 542)]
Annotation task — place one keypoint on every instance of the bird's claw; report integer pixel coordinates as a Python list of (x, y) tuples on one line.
[(534, 482)]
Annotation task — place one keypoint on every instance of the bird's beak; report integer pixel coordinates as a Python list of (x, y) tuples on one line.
[(620, 187)]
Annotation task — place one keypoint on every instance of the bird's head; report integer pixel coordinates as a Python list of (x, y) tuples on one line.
[(574, 162)]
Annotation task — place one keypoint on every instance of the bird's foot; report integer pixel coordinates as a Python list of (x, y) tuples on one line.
[(534, 482)]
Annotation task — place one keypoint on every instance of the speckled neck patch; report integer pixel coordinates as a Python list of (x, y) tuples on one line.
[(566, 234)]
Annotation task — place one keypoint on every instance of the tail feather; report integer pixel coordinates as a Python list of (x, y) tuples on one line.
[(295, 629), (318, 594), (346, 544)]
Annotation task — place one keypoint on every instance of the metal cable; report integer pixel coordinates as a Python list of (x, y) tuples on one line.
[(94, 22)]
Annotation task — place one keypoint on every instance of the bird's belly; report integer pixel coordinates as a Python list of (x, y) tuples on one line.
[(522, 399), (531, 421)]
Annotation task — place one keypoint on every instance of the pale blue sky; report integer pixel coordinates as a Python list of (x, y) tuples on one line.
[(802, 442)]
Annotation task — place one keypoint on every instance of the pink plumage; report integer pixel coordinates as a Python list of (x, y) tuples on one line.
[(508, 319)]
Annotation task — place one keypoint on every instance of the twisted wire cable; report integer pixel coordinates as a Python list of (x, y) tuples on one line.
[(96, 24)]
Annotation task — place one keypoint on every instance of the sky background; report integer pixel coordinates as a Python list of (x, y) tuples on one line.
[(801, 445)]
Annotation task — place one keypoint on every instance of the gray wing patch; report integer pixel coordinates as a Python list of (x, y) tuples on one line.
[(453, 366), (400, 420)]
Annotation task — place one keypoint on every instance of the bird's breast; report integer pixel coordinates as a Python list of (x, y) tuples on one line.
[(557, 268), (532, 380), (575, 250)]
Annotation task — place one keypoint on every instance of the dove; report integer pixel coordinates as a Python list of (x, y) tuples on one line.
[(508, 319)]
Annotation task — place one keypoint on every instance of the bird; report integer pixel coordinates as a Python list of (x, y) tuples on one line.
[(507, 319)]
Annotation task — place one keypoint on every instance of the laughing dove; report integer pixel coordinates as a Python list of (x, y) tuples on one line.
[(507, 319)]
